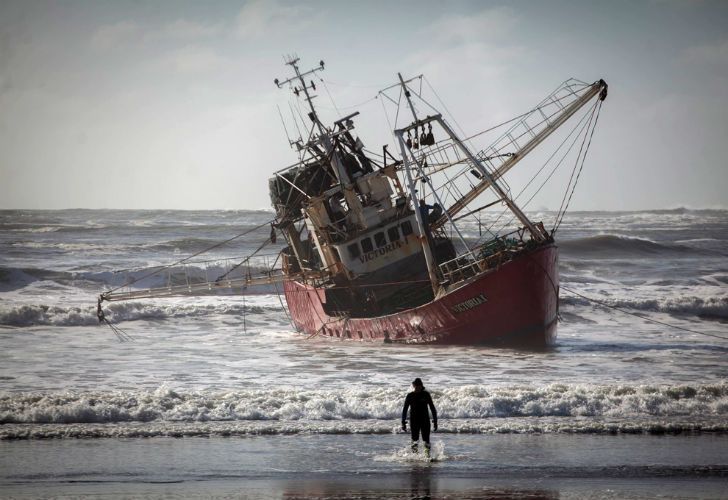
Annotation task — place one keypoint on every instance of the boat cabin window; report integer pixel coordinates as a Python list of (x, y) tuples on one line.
[(354, 251), (380, 240), (393, 233), (407, 228), (366, 245)]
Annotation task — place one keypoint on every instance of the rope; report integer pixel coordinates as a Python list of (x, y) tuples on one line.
[(389, 124), (646, 318), (285, 311), (120, 334)]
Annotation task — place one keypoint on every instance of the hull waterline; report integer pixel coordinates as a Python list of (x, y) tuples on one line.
[(514, 304)]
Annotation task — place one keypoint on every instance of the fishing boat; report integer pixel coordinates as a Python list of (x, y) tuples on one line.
[(374, 251)]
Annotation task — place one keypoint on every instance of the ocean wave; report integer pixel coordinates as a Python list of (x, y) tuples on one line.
[(619, 246), (62, 246), (48, 315), (189, 244), (14, 278), (705, 307), (42, 229), (518, 425), (291, 405)]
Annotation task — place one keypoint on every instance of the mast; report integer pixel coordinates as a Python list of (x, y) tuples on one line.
[(408, 96), (424, 230), (324, 134), (424, 239), (537, 234)]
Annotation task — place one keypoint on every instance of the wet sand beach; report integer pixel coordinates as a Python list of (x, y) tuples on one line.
[(370, 466)]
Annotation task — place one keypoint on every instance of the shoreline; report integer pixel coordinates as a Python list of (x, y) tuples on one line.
[(587, 426), (370, 466)]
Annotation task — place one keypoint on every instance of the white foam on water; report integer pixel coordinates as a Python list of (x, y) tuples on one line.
[(65, 376), (520, 425), (675, 303), (406, 455), (469, 402), (61, 313)]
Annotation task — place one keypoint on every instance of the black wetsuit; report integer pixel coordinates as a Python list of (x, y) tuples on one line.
[(419, 415)]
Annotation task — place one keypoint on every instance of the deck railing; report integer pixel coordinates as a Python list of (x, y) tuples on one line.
[(489, 255)]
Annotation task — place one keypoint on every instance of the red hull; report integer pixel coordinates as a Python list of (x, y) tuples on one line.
[(514, 304)]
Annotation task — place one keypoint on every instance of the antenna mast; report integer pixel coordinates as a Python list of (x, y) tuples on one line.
[(325, 136), (293, 62)]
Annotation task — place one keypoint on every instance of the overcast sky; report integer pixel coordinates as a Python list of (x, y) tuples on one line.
[(170, 104)]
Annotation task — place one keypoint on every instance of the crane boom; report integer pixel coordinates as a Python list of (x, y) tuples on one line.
[(598, 88)]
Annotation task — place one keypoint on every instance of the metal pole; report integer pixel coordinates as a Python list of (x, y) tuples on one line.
[(437, 198), (407, 95), (429, 259)]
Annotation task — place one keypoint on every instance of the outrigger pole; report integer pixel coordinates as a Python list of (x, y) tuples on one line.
[(598, 88), (539, 235)]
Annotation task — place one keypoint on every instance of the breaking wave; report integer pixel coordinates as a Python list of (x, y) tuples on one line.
[(190, 245), (15, 278), (616, 245), (26, 315), (518, 425), (46, 315), (461, 404), (705, 307)]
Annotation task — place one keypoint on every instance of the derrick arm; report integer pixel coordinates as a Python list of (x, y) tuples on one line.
[(197, 288), (598, 88)]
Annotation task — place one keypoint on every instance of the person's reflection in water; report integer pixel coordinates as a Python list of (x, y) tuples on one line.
[(420, 486)]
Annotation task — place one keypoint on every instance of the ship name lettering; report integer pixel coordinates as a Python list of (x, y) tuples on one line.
[(369, 256), (469, 304)]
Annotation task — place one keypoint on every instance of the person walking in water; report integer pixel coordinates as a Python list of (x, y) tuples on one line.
[(418, 401)]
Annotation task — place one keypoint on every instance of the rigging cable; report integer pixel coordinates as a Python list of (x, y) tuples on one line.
[(560, 215), (330, 98), (494, 127), (452, 117), (120, 334), (283, 308), (355, 86), (582, 128), (559, 162), (246, 259), (339, 108), (389, 123), (162, 268)]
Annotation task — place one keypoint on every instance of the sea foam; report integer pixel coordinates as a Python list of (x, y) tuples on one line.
[(468, 402)]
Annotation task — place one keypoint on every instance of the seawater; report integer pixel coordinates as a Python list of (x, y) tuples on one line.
[(232, 364)]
